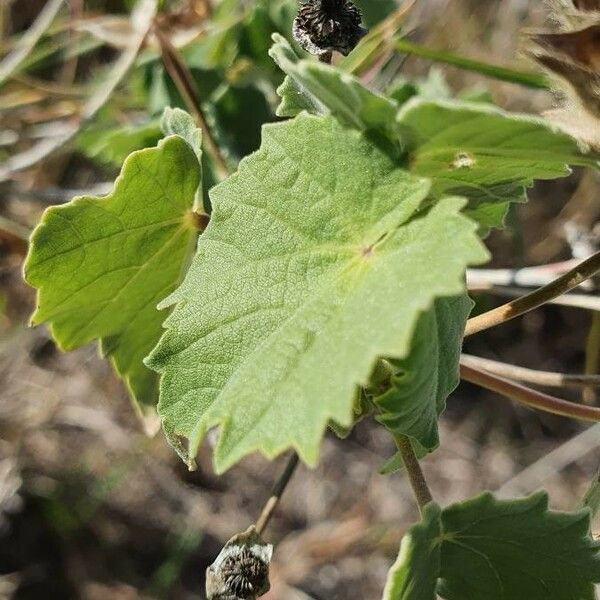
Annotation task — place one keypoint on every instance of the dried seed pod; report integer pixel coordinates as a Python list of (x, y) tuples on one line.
[(323, 26), (241, 571)]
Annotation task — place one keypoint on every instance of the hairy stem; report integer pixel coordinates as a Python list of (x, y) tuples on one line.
[(545, 378), (541, 296), (184, 82), (527, 396), (276, 494), (413, 469)]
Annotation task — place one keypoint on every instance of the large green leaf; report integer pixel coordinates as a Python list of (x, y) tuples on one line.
[(417, 393), (517, 550), (415, 574), (483, 153), (101, 265), (323, 89), (310, 269), (497, 550)]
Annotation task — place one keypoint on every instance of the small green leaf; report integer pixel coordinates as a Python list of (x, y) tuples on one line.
[(323, 89), (517, 550), (415, 573), (177, 122), (483, 153), (313, 265), (114, 145), (101, 265), (417, 395)]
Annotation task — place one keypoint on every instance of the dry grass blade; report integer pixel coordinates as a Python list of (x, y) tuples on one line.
[(538, 473), (27, 42), (141, 18)]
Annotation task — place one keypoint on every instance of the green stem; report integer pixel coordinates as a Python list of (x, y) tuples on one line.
[(531, 80), (414, 472)]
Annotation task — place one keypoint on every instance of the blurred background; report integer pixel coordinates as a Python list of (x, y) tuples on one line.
[(91, 507)]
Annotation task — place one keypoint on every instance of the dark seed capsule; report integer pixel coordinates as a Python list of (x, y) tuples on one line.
[(323, 26), (241, 571)]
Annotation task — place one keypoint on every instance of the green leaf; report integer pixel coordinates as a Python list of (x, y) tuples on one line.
[(113, 146), (483, 153), (313, 265), (424, 379), (517, 550), (101, 265), (323, 89), (177, 122), (414, 575)]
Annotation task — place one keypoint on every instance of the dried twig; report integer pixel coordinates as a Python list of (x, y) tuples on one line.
[(592, 355), (572, 300), (183, 80), (29, 39), (276, 494), (524, 395), (544, 378), (535, 299)]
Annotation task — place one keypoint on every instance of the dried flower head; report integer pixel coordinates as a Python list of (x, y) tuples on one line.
[(322, 26), (241, 571)]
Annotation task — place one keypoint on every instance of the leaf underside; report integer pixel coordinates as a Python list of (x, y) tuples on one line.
[(101, 265), (314, 264), (428, 375)]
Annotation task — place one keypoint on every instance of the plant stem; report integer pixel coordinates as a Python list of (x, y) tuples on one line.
[(545, 378), (535, 299), (574, 300), (527, 396), (531, 80), (276, 493), (413, 469), (184, 82)]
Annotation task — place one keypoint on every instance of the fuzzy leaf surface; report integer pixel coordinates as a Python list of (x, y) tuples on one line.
[(483, 153), (101, 265), (322, 89), (313, 265), (415, 573), (517, 550), (428, 375)]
